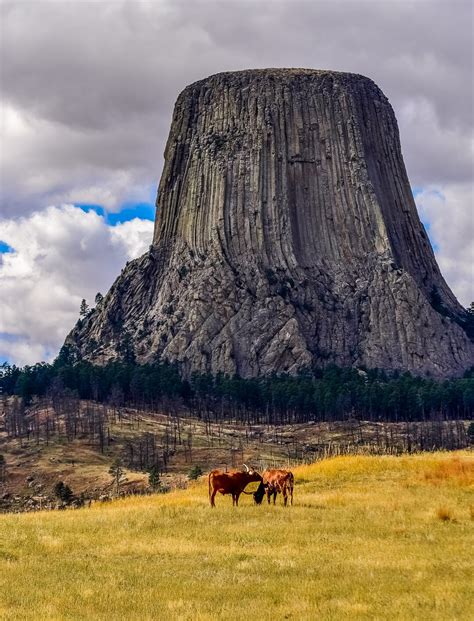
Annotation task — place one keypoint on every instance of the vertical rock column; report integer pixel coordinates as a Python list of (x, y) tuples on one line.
[(286, 237)]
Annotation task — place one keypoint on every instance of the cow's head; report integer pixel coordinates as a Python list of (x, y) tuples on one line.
[(259, 494), (252, 474)]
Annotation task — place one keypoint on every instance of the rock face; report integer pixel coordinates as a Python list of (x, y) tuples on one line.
[(286, 237)]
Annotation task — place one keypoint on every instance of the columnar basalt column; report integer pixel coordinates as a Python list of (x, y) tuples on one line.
[(286, 237)]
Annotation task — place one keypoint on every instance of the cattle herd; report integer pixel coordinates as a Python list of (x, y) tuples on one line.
[(271, 483)]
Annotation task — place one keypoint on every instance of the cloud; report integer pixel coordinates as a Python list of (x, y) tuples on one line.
[(60, 255), (22, 351), (450, 156), (43, 162), (449, 211), (135, 236), (88, 87)]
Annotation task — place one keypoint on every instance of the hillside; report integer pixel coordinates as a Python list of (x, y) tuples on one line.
[(368, 537), (77, 441)]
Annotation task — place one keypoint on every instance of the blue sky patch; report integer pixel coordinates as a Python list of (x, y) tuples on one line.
[(4, 247), (426, 223), (144, 211), (427, 226), (99, 210), (128, 211)]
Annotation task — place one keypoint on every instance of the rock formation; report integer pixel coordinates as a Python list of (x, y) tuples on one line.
[(286, 237)]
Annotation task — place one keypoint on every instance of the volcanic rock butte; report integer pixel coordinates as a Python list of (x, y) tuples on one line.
[(286, 237)]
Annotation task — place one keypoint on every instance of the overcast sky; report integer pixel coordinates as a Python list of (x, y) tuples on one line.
[(87, 90)]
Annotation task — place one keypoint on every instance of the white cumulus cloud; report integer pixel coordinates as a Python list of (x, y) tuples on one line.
[(59, 256), (448, 209)]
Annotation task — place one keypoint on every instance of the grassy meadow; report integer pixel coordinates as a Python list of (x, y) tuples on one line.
[(367, 538)]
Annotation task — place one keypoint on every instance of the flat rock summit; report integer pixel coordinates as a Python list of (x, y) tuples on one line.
[(286, 238)]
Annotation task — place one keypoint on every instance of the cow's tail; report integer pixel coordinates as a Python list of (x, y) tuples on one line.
[(209, 480)]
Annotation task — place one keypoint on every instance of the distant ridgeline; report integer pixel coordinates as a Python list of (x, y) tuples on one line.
[(321, 395)]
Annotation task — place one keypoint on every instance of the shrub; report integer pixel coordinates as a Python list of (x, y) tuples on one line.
[(182, 271), (63, 492), (195, 473)]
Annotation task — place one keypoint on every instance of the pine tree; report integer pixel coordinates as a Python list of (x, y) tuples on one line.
[(154, 478), (84, 309)]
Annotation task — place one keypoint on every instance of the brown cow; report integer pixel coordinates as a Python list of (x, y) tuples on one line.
[(231, 483), (273, 482)]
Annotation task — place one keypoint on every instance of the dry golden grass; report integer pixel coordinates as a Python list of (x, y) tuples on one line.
[(363, 541), (457, 469)]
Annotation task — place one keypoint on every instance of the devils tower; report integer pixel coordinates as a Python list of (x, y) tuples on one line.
[(286, 237)]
